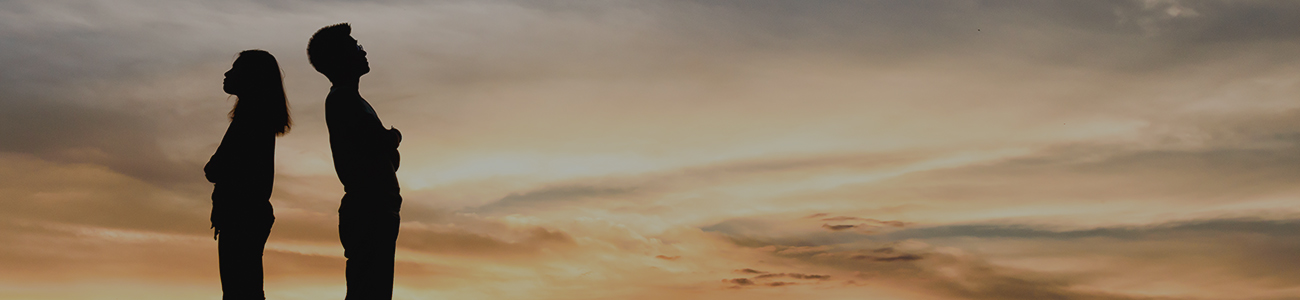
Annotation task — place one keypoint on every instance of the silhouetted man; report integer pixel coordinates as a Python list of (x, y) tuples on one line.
[(366, 159)]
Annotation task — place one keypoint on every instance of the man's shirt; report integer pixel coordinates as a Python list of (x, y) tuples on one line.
[(365, 153)]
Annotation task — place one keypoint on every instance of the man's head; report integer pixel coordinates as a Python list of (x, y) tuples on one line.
[(333, 52)]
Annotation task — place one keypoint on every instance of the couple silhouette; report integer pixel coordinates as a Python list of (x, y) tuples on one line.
[(365, 158)]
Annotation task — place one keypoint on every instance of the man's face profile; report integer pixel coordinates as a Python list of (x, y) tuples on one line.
[(357, 61)]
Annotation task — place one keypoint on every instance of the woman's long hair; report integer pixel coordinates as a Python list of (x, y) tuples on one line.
[(262, 101)]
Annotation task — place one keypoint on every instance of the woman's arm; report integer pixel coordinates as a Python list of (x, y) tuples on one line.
[(222, 162)]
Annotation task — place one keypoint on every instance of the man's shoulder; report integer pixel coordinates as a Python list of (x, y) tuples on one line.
[(343, 100)]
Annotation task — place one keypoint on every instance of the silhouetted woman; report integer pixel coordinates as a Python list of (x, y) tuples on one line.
[(243, 171)]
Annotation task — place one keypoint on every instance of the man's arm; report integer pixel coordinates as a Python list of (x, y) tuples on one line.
[(358, 138), (373, 128)]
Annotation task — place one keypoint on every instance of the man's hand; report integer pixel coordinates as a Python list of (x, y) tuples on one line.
[(394, 157), (397, 134)]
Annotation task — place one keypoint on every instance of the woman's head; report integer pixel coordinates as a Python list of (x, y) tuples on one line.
[(256, 81)]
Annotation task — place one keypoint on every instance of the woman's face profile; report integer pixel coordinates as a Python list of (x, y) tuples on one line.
[(236, 81)]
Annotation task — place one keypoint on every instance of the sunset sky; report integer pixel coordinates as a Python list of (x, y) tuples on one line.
[(679, 149)]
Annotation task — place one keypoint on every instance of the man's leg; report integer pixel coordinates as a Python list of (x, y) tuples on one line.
[(369, 236)]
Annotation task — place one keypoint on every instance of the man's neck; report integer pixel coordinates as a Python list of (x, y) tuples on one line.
[(345, 83)]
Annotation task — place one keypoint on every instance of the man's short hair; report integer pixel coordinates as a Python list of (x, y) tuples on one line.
[(327, 45)]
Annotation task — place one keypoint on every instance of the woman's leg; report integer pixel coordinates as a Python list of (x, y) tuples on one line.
[(243, 230), (240, 252)]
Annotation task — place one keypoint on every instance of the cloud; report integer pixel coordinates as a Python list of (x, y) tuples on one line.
[(40, 191), (801, 250), (846, 218), (838, 227), (564, 195), (1276, 228), (29, 254), (904, 257), (808, 276), (947, 275), (466, 243), (901, 259), (840, 218), (763, 278), (124, 141), (740, 281), (876, 225), (760, 232), (793, 275)]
